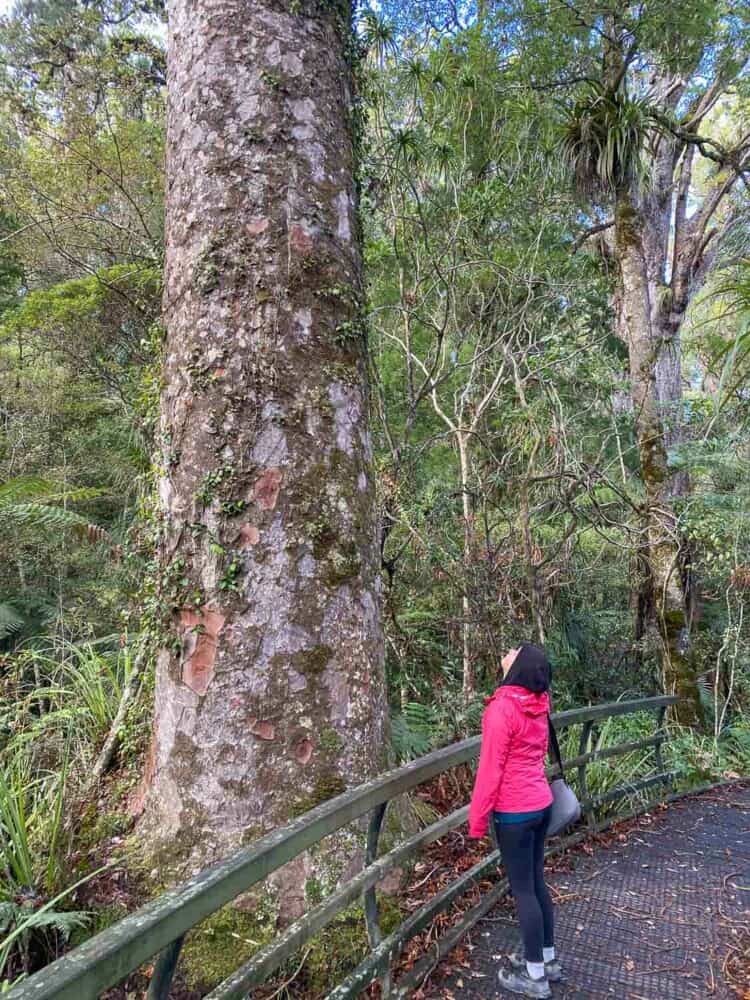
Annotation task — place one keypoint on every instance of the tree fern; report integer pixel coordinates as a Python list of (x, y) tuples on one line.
[(34, 488), (39, 515)]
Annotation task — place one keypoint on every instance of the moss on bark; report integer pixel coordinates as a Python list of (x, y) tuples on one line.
[(343, 944), (328, 786), (223, 942)]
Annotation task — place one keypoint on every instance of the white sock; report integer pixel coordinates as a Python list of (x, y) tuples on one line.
[(549, 954), (535, 969)]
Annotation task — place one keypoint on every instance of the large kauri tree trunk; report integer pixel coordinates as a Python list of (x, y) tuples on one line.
[(270, 688)]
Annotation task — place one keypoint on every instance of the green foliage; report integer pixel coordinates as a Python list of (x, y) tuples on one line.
[(29, 508), (55, 708), (418, 728), (24, 929), (31, 848), (11, 621), (704, 759), (16, 852), (31, 929), (413, 730), (18, 508), (64, 688), (698, 759), (87, 676), (606, 775), (341, 945)]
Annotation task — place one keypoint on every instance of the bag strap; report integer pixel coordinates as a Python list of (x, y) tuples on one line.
[(555, 746)]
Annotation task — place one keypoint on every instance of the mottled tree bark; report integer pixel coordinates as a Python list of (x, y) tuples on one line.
[(270, 686)]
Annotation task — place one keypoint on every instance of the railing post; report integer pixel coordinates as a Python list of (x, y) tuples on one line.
[(164, 970), (583, 786), (660, 720), (372, 917)]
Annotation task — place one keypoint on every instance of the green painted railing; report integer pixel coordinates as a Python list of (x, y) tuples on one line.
[(159, 928)]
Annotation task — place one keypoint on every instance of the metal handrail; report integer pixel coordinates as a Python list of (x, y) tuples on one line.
[(159, 927)]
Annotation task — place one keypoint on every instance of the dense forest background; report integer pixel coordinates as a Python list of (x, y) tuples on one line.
[(497, 160)]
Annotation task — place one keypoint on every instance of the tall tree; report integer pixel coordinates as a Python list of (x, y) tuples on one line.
[(270, 688), (635, 138)]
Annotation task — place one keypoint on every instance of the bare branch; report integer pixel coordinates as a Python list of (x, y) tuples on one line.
[(588, 233)]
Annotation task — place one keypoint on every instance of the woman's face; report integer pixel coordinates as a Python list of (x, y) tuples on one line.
[(507, 661)]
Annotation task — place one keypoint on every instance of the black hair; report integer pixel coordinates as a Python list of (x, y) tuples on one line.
[(531, 669)]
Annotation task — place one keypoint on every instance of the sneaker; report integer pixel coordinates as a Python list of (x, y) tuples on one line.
[(552, 970), (521, 982)]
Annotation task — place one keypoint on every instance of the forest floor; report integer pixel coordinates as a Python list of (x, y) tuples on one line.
[(659, 909)]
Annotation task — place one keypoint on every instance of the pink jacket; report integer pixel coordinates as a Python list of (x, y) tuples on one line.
[(511, 777)]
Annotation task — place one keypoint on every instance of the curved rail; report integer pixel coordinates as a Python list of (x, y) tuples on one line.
[(159, 927)]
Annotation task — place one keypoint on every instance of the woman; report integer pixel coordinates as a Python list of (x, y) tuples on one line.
[(512, 791)]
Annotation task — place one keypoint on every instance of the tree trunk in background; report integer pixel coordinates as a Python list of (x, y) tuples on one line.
[(270, 692), (666, 557), (657, 219), (468, 678)]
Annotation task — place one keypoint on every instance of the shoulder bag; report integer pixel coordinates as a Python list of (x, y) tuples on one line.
[(565, 808)]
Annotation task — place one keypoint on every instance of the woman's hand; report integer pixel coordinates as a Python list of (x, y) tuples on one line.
[(476, 832)]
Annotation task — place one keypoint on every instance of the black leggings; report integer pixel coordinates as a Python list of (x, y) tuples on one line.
[(522, 849)]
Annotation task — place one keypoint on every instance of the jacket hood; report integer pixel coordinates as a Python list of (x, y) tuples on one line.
[(529, 702), (531, 670)]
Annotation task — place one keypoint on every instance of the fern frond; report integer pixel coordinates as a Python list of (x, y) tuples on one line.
[(39, 515), (42, 503), (11, 621), (64, 922), (46, 490), (24, 488), (413, 730)]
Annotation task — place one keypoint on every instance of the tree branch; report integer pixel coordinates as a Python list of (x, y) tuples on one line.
[(588, 233)]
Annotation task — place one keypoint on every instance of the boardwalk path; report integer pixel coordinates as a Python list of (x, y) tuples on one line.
[(650, 917)]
